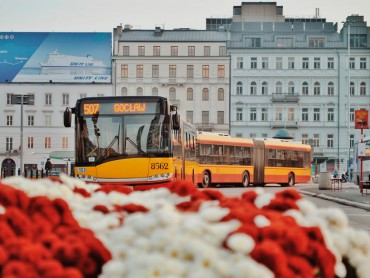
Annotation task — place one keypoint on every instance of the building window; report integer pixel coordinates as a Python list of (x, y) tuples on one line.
[(191, 50), (278, 114), (31, 120), (290, 114), (155, 91), (8, 98), (264, 88), (124, 71), (253, 114), (330, 89), (264, 114), (363, 89), (330, 141), (189, 94), (190, 71), (9, 144), (205, 117), (83, 95), (358, 40), (47, 142), (239, 114), (316, 89), (352, 88), (155, 71), (207, 51), (220, 71), (330, 114), (316, 42), (253, 88), (174, 51), (305, 139), (239, 88), (222, 51), (352, 63), (205, 94), (253, 62), (9, 120), (330, 63), (141, 50), (362, 63), (255, 42), (291, 88), (239, 62), (65, 142), (189, 116), (220, 117), (65, 99), (304, 114), (265, 62), (316, 140), (316, 114), (172, 93), (47, 120), (291, 63), (305, 63), (351, 141), (139, 91), (279, 87), (30, 142), (48, 99), (220, 94), (126, 51), (305, 88), (279, 63), (205, 71), (139, 71), (352, 115), (316, 63), (156, 51), (172, 71), (124, 91)]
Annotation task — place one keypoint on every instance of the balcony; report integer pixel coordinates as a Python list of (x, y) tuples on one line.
[(285, 98), (284, 124), (4, 152)]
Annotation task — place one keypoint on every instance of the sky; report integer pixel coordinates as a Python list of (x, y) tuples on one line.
[(104, 15)]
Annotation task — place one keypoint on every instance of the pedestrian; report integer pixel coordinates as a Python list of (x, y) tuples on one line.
[(48, 167), (335, 173)]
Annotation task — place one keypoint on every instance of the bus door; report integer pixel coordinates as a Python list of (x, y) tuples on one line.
[(259, 162)]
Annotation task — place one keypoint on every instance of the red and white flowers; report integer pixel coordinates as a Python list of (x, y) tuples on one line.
[(66, 228)]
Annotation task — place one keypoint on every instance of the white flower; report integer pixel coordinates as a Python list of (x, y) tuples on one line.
[(241, 243), (263, 199), (212, 213), (261, 221)]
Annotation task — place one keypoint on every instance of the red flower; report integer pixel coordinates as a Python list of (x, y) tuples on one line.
[(82, 191), (6, 232), (88, 267), (280, 204), (8, 195), (19, 222), (50, 268), (107, 188), (101, 208), (249, 196), (3, 256), (72, 272), (16, 269), (291, 194), (63, 210), (181, 188), (301, 267), (131, 208)]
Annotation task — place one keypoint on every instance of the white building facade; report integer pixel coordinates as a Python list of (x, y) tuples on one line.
[(293, 74), (189, 67)]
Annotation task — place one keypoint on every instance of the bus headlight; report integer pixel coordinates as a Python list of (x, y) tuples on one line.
[(159, 177)]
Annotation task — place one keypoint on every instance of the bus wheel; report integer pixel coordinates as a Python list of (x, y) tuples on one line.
[(245, 181), (290, 180), (206, 179)]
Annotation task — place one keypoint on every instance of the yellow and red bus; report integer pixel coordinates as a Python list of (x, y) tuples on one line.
[(131, 141), (226, 160)]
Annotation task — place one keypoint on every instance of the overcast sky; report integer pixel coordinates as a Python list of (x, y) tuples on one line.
[(104, 15)]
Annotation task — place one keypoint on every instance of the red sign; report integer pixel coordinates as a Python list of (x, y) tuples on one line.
[(361, 119)]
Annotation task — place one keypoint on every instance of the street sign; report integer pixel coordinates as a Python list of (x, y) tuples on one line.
[(27, 99)]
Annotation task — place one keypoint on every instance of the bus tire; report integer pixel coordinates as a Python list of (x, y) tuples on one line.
[(206, 181), (245, 181), (290, 181)]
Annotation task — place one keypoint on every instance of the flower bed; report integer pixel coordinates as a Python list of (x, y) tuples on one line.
[(66, 228)]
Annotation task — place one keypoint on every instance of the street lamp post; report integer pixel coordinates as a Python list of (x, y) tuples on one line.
[(349, 91)]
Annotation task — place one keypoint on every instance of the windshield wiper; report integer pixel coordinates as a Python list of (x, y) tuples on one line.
[(136, 146)]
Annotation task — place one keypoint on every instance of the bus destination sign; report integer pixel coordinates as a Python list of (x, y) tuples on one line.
[(103, 108)]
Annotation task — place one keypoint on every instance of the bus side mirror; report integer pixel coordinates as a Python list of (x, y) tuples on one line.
[(176, 121), (67, 117)]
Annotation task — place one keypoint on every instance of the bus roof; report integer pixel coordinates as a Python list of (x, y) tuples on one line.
[(286, 145), (224, 140)]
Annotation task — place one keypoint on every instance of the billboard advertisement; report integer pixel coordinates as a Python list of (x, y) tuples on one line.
[(55, 57), (361, 119)]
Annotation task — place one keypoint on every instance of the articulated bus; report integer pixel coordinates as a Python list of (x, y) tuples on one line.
[(223, 159), (131, 141)]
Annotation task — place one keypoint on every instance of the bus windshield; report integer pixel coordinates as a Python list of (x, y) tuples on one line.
[(107, 137)]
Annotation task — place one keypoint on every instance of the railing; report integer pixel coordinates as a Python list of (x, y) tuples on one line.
[(284, 124), (285, 97), (9, 153)]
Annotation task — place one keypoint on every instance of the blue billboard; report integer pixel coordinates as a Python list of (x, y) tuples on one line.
[(55, 57)]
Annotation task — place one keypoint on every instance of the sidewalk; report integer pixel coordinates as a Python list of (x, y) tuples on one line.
[(349, 195)]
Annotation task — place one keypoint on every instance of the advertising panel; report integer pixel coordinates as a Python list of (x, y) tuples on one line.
[(361, 119), (55, 57)]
